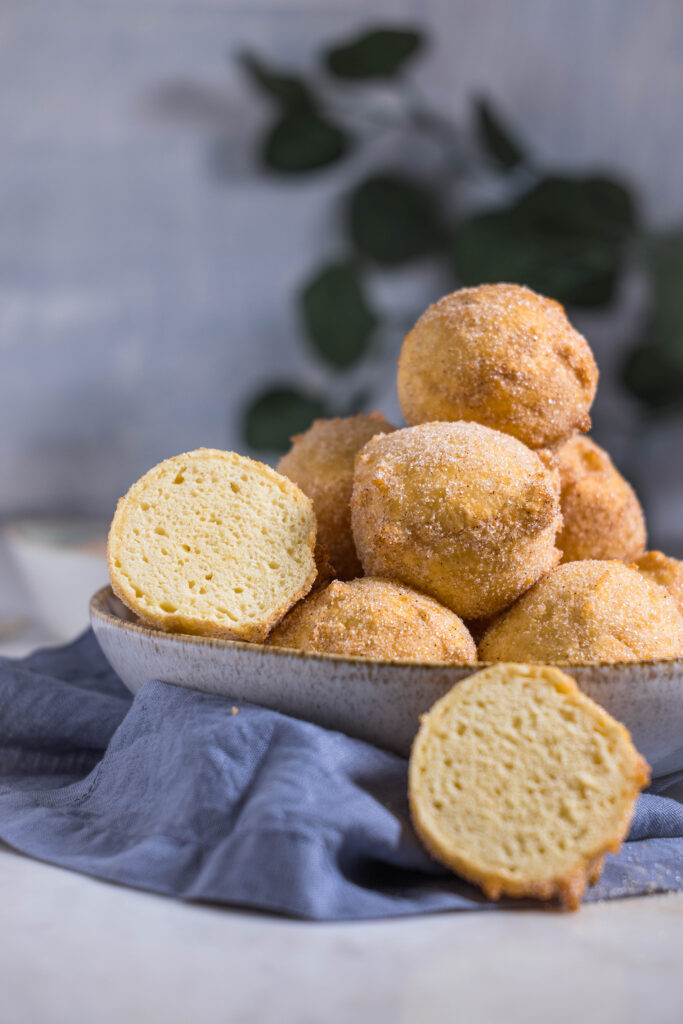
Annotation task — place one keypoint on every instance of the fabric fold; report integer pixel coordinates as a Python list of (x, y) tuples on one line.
[(175, 793)]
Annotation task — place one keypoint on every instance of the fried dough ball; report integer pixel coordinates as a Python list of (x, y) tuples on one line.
[(602, 517), (321, 461), (587, 611), (503, 356), (325, 569), (460, 511), (375, 618), (666, 571)]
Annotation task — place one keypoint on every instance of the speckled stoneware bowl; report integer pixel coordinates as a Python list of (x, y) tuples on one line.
[(378, 701)]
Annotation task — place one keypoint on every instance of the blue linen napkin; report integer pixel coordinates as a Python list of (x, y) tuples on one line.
[(176, 793)]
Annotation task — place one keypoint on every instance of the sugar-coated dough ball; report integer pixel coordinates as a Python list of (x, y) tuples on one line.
[(460, 511), (503, 356), (602, 517), (587, 611), (666, 571), (375, 618), (321, 462)]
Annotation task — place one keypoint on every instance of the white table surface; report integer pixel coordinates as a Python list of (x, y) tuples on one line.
[(74, 950)]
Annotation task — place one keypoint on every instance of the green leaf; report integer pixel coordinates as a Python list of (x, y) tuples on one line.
[(591, 207), (653, 370), (655, 377), (665, 265), (380, 53), (496, 138), (496, 247), (287, 90), (564, 238), (277, 413), (393, 220), (303, 140), (337, 316)]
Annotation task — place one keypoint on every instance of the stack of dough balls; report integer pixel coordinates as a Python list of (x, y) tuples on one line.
[(490, 515)]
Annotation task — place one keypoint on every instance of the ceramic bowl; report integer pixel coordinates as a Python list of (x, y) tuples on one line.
[(377, 701)]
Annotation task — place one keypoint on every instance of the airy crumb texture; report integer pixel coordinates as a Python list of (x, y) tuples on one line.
[(212, 543), (666, 571), (585, 612), (375, 618), (602, 517), (462, 512), (521, 784), (503, 356), (321, 463)]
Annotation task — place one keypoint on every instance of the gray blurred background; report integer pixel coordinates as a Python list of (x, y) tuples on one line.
[(148, 264)]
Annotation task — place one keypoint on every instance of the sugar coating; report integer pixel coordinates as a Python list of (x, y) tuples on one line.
[(586, 612), (503, 356), (321, 462), (212, 543), (521, 784), (666, 571), (457, 510), (375, 618), (602, 517)]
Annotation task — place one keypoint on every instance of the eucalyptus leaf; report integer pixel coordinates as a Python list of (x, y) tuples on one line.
[(288, 90), (665, 266), (303, 140), (380, 53), (496, 137), (393, 220), (277, 413), (338, 319), (565, 237), (593, 207), (497, 247), (653, 370), (654, 376)]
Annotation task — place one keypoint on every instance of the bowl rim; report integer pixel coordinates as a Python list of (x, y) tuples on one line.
[(97, 610)]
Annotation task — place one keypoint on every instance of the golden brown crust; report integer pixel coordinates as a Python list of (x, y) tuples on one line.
[(587, 611), (183, 620), (664, 570), (375, 618), (503, 356), (457, 510), (602, 517), (566, 886), (325, 569), (321, 462)]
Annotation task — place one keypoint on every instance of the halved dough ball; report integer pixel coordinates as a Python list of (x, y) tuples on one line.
[(666, 571), (321, 463), (459, 511), (375, 618), (602, 517), (521, 784), (503, 356), (212, 543), (584, 612)]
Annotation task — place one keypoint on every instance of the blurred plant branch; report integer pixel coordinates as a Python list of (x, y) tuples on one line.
[(569, 237)]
